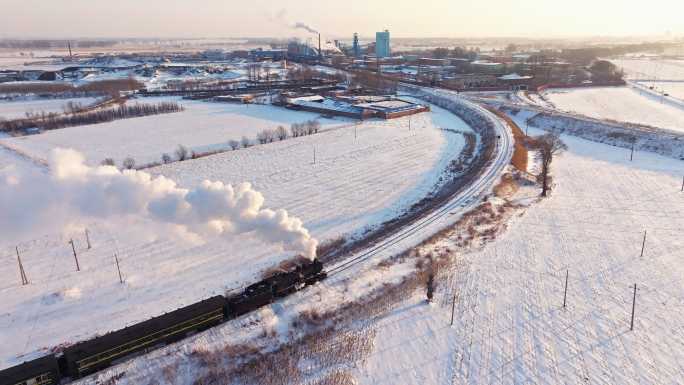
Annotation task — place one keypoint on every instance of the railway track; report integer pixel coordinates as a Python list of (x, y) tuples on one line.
[(415, 232), (408, 235)]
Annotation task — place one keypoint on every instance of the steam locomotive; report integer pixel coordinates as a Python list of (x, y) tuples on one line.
[(90, 356)]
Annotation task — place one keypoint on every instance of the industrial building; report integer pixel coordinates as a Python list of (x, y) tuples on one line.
[(357, 107), (382, 44), (356, 48)]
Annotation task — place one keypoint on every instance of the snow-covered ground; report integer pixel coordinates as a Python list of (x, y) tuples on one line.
[(203, 126), (624, 104), (651, 69), (510, 326), (354, 183), (18, 108), (674, 89)]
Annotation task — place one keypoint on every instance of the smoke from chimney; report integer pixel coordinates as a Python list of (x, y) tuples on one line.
[(79, 193), (300, 25)]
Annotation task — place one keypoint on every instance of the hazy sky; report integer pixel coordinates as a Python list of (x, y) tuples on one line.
[(406, 18)]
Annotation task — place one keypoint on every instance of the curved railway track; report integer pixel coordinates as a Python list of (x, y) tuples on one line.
[(462, 202)]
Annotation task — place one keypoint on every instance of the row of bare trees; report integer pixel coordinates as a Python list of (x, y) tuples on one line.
[(309, 127), (182, 153), (51, 121), (98, 88)]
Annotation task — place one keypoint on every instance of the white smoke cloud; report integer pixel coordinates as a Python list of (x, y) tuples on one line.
[(300, 25), (74, 193)]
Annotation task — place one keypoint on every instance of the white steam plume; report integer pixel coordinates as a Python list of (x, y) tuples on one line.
[(300, 25), (75, 192)]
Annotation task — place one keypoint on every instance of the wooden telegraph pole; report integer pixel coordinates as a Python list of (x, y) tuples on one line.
[(73, 248), (116, 258), (565, 294), (87, 239), (24, 279), (683, 184), (643, 244), (631, 325)]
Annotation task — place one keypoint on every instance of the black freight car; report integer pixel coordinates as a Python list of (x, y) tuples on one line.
[(41, 371), (90, 356), (252, 298)]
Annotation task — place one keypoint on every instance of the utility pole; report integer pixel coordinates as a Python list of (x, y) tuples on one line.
[(643, 244), (631, 325), (73, 248), (116, 258), (565, 294), (453, 308), (88, 239), (631, 156), (24, 280), (682, 184)]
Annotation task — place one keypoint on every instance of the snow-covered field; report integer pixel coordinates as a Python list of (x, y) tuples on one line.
[(510, 326), (18, 108), (652, 69), (674, 89), (203, 126), (624, 104), (354, 183)]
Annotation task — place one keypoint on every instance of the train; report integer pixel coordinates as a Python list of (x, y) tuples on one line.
[(88, 357)]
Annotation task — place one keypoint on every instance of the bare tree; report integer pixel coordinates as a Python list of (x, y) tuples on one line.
[(234, 144), (245, 142), (166, 158), (548, 145), (312, 127), (430, 286), (261, 136), (182, 152), (107, 162), (296, 130), (129, 163), (281, 132)]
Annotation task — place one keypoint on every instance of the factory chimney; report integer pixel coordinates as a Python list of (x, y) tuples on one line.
[(320, 53)]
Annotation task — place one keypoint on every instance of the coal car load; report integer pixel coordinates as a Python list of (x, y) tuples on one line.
[(41, 371), (90, 356)]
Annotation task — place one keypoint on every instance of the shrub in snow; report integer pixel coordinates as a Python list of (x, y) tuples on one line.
[(182, 152), (129, 163), (246, 142)]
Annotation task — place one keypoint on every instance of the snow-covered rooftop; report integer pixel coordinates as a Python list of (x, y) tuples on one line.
[(514, 76)]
